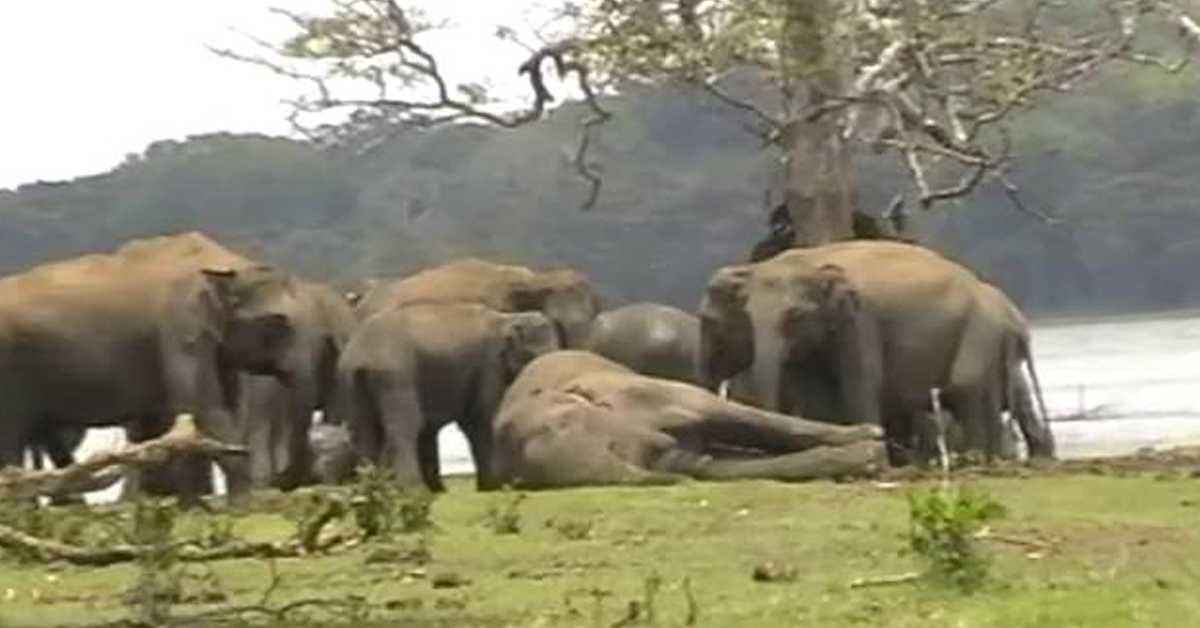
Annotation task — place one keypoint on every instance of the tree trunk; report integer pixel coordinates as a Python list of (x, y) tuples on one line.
[(820, 176)]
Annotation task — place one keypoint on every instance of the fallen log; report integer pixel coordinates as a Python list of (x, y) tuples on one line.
[(50, 551), (104, 468)]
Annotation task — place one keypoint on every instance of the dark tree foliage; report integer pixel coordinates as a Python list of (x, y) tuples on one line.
[(683, 195)]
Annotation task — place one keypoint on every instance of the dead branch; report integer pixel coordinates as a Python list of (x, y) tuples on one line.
[(1036, 545), (104, 468), (390, 58), (879, 581), (50, 550)]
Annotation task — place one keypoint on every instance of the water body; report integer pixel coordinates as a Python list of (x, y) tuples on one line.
[(1111, 386)]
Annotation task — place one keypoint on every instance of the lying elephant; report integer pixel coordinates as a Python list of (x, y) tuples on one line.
[(565, 296), (652, 339), (574, 418), (409, 371)]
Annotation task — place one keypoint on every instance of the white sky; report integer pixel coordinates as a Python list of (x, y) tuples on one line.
[(84, 82)]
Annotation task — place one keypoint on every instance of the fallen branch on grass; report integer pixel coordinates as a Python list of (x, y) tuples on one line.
[(103, 469), (50, 551), (1031, 544), (879, 581)]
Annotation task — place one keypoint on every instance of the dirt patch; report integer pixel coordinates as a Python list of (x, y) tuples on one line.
[(1175, 463)]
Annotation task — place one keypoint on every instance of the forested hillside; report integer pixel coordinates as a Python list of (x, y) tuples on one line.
[(683, 194)]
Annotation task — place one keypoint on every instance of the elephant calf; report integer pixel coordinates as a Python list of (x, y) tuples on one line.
[(574, 418), (409, 371), (652, 339)]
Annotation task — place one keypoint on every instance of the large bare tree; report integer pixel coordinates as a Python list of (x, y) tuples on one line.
[(936, 83)]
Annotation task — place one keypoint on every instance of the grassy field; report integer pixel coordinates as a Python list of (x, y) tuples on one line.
[(1081, 546)]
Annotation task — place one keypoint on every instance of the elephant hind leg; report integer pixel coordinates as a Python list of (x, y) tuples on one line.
[(861, 459), (402, 421)]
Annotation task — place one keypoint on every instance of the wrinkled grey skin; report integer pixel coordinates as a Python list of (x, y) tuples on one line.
[(275, 419), (409, 371), (130, 342), (573, 418), (334, 459), (652, 339), (860, 331), (566, 297)]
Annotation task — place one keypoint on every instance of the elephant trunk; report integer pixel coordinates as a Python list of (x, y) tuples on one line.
[(768, 364)]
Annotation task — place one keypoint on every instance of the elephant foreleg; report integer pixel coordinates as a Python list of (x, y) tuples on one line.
[(429, 457)]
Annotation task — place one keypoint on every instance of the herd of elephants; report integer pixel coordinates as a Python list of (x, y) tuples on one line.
[(832, 361)]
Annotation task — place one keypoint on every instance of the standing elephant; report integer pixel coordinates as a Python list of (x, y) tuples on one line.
[(565, 296), (573, 418), (409, 371), (652, 339), (859, 330), (161, 327), (275, 419)]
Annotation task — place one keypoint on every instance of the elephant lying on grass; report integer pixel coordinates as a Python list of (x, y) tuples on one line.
[(574, 418)]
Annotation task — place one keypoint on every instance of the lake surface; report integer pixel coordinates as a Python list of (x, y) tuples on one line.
[(1134, 382)]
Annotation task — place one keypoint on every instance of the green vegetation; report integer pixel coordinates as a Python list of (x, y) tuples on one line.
[(1075, 549), (944, 525)]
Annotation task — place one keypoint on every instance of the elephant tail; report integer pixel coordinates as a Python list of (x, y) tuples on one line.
[(1047, 435), (1037, 384)]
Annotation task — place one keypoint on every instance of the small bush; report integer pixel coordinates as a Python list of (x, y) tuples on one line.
[(158, 585), (311, 512), (383, 509), (506, 519), (942, 530)]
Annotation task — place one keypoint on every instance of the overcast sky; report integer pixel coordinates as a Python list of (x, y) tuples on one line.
[(85, 82)]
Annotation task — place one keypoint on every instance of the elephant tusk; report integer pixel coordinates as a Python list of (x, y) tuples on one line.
[(723, 389)]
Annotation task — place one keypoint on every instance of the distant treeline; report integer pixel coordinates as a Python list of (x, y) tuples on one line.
[(683, 194)]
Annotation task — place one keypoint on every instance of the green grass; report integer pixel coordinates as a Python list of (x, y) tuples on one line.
[(1126, 552)]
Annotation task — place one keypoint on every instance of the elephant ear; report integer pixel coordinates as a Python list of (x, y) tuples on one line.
[(529, 295), (726, 333), (837, 294), (728, 286)]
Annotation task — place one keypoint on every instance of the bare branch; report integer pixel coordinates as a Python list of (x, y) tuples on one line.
[(97, 470)]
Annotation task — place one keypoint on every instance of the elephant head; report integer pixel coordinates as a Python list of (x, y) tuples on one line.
[(255, 329), (788, 311), (566, 297), (525, 336)]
